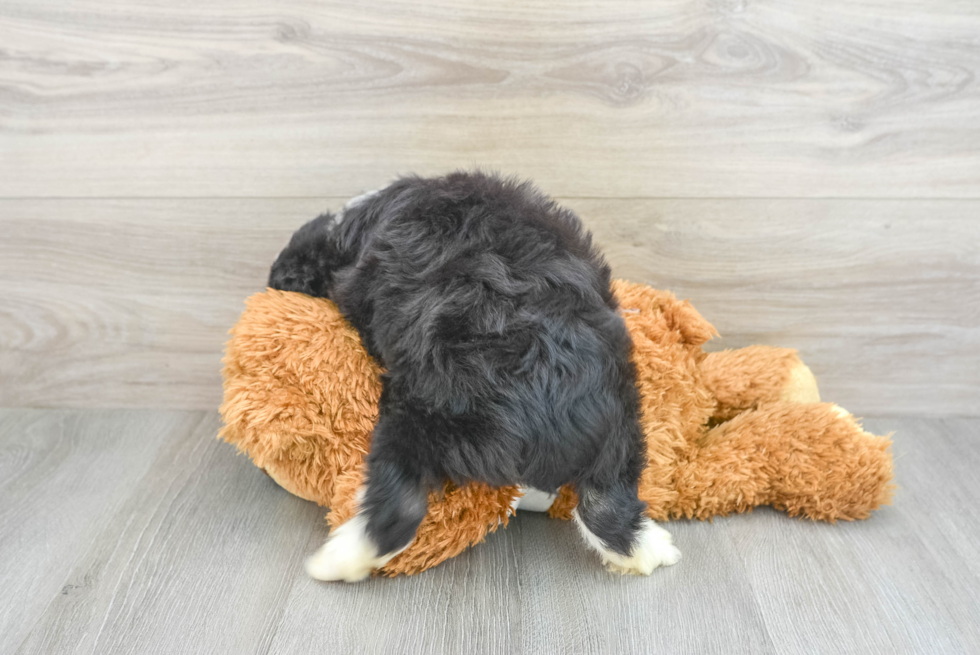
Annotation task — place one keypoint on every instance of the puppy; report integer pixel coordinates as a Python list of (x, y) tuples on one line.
[(507, 362)]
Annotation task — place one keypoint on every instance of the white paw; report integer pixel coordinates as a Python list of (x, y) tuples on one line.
[(348, 555), (654, 547)]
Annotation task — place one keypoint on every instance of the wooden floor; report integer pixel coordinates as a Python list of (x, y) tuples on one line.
[(807, 173), (137, 532)]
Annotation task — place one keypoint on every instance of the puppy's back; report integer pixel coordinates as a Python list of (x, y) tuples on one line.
[(491, 309)]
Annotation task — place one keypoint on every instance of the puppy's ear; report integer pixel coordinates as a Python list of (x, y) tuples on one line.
[(307, 263), (292, 272)]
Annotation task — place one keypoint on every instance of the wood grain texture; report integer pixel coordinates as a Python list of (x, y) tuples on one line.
[(191, 549), (905, 581), (724, 98), (126, 303), (808, 174), (908, 581), (881, 298), (63, 479), (181, 565)]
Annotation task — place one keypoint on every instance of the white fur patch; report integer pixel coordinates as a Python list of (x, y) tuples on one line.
[(534, 500), (353, 202), (356, 200), (654, 547)]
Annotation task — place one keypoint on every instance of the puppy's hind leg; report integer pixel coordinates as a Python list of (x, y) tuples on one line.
[(610, 518), (391, 506)]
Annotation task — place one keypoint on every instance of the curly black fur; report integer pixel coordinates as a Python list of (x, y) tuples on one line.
[(506, 359)]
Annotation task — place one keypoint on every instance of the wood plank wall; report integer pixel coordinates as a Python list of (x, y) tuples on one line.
[(808, 174)]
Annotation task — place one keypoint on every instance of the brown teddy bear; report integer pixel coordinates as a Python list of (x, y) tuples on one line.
[(725, 431)]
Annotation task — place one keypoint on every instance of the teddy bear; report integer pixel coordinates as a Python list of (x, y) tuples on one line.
[(725, 431)]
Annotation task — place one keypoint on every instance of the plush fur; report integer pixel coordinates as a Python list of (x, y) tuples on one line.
[(723, 432), (507, 361)]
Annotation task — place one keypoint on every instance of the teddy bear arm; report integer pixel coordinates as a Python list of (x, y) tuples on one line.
[(750, 377)]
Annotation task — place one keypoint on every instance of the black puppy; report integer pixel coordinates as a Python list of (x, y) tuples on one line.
[(507, 362)]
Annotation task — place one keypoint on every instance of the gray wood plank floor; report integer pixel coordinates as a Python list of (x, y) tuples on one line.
[(134, 531)]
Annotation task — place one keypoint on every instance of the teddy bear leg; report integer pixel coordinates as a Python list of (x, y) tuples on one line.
[(812, 459), (748, 378), (390, 506), (612, 522)]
